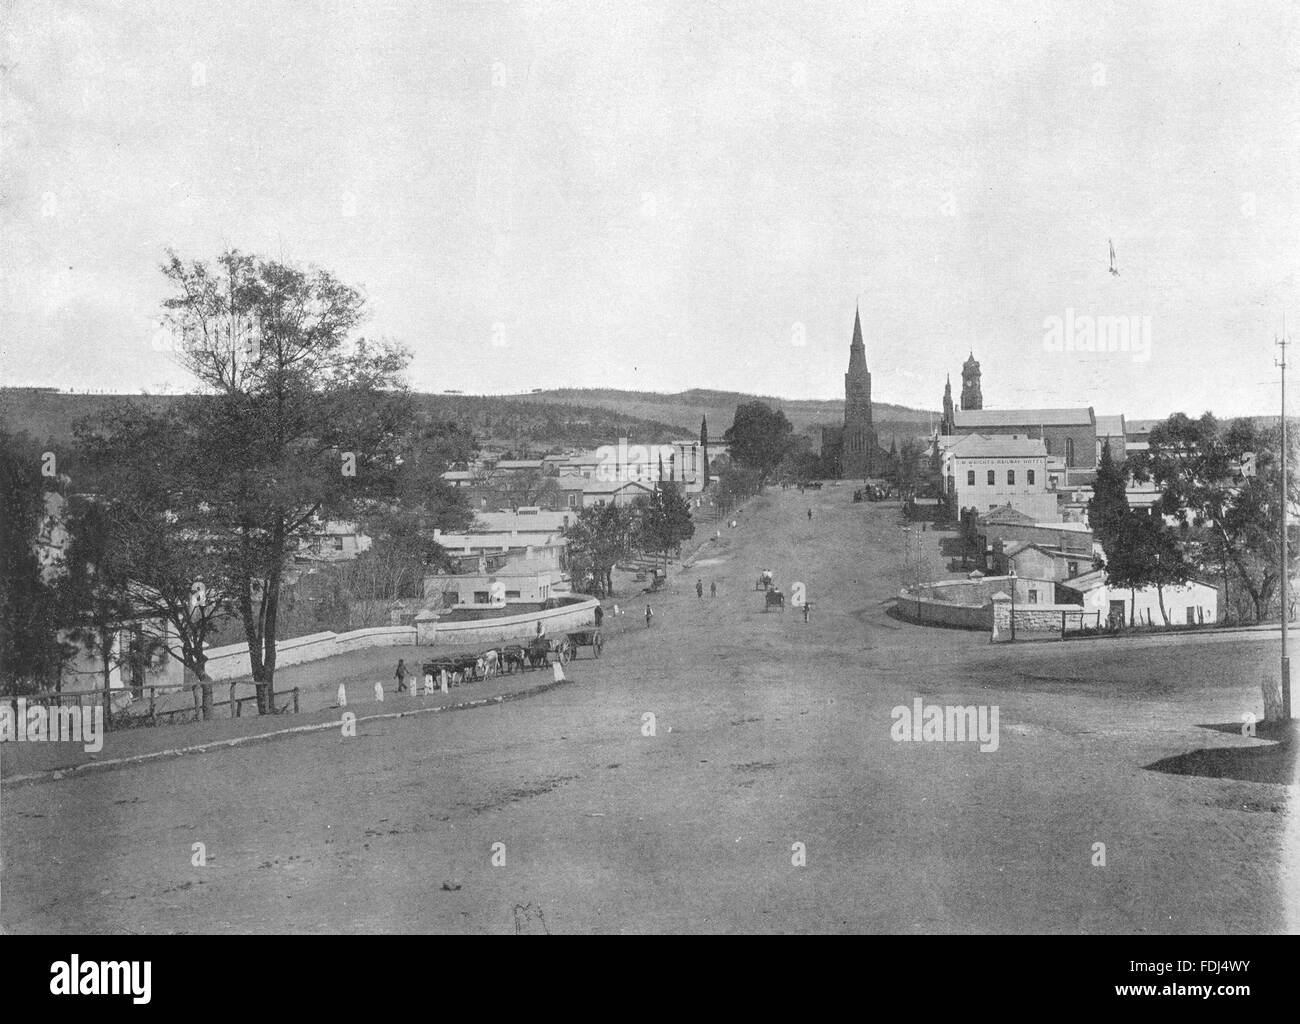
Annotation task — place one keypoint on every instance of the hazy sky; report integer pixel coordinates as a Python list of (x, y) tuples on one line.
[(672, 195)]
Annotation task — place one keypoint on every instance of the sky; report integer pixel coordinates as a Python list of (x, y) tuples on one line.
[(670, 195)]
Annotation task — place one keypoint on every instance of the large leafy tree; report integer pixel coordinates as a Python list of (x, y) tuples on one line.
[(600, 538), (145, 547), (301, 420), (759, 437), (31, 653), (1232, 522), (664, 520)]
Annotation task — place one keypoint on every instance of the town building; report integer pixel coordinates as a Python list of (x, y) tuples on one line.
[(1192, 604), (1068, 435), (983, 472)]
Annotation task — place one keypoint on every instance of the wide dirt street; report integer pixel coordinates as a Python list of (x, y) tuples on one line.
[(767, 732)]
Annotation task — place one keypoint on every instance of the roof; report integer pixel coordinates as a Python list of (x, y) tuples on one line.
[(1141, 426), (570, 482), (979, 447), (531, 522), (1007, 515), (1084, 582), (612, 486), (1110, 426), (976, 418), (519, 464)]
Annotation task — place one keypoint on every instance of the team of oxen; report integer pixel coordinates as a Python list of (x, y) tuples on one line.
[(538, 653)]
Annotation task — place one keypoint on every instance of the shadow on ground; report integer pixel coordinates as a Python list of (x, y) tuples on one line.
[(1275, 763)]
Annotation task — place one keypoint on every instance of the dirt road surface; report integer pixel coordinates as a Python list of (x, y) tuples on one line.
[(769, 795)]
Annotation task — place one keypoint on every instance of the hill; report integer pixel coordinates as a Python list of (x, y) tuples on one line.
[(49, 415), (685, 408)]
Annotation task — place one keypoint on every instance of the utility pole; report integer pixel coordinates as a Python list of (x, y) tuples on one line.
[(1284, 575)]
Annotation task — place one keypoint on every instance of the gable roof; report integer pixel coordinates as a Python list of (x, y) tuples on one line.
[(1007, 515), (979, 446), (976, 418)]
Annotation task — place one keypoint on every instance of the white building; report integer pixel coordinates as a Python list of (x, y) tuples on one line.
[(1192, 603), (983, 472)]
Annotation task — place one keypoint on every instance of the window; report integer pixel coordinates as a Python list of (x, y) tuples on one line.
[(1069, 451), (1011, 478), (337, 541), (515, 594), (992, 477), (481, 597), (1074, 566), (1033, 597), (1029, 478), (970, 478), (573, 499)]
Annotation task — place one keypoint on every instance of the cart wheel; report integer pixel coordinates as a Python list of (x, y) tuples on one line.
[(565, 655), (597, 646)]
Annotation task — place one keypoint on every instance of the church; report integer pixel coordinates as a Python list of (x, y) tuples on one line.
[(852, 452)]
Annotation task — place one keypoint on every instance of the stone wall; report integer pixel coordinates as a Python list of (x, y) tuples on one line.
[(1038, 618)]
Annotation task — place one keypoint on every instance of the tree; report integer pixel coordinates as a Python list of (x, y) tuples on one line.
[(600, 538), (31, 653), (759, 437), (664, 520), (1108, 507), (1232, 523), (146, 548), (301, 422)]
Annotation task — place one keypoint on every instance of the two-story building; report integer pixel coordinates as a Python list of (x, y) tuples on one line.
[(983, 472)]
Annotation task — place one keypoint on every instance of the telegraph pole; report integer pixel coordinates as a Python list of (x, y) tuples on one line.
[(1284, 575)]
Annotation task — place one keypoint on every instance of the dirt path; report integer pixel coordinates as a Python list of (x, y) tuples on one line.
[(768, 732)]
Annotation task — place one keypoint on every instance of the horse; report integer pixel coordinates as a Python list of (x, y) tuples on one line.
[(512, 657)]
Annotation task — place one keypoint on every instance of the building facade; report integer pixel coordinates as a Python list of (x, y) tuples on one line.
[(983, 472)]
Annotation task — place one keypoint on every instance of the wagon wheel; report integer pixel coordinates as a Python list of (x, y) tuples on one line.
[(566, 653), (596, 645)]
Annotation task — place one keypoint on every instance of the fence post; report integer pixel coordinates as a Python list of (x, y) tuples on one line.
[(1062, 625)]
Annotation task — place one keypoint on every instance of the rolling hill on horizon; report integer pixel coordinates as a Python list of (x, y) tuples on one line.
[(685, 408), (563, 416)]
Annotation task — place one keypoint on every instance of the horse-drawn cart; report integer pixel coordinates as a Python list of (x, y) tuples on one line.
[(764, 581), (586, 638), (543, 650), (773, 599)]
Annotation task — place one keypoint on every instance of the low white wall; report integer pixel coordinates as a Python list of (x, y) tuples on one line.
[(232, 662), (511, 627)]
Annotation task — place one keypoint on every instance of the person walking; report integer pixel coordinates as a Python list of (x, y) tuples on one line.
[(810, 515), (600, 615), (648, 616), (400, 674), (713, 588), (806, 606), (699, 589)]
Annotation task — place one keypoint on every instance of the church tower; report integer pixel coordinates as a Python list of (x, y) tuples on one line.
[(858, 456), (948, 424), (971, 396)]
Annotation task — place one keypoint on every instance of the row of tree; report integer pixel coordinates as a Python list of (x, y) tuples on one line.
[(1219, 513), (189, 516), (605, 535)]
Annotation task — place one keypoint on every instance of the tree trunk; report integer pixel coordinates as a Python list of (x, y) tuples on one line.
[(1160, 596), (205, 687)]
